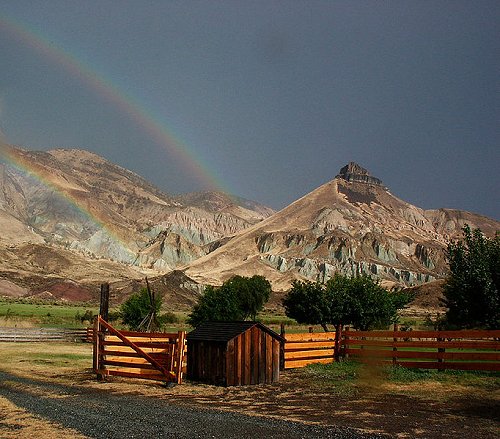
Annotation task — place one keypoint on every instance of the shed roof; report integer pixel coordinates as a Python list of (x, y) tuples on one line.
[(225, 331)]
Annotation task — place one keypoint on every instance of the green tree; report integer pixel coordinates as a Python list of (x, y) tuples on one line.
[(251, 294), (472, 289), (307, 303), (239, 298), (359, 301), (138, 307)]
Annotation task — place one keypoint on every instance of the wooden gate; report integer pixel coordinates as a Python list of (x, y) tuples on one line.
[(148, 355)]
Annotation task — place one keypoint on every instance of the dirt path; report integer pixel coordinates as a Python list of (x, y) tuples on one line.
[(97, 413)]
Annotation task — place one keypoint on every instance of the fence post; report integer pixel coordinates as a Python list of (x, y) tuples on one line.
[(181, 337), (95, 341), (440, 360), (282, 347), (346, 342), (336, 349), (100, 336), (104, 305), (394, 348)]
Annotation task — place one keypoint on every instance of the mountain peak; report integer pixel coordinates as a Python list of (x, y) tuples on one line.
[(353, 172)]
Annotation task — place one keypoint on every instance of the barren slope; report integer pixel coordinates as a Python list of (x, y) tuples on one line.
[(351, 224)]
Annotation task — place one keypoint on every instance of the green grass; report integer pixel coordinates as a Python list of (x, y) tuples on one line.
[(399, 374), (351, 377), (334, 378), (46, 359), (48, 314)]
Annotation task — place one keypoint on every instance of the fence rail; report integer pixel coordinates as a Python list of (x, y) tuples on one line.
[(43, 335), (458, 350), (303, 349)]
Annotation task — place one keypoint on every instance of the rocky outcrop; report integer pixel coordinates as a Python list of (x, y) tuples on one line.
[(352, 172), (77, 216)]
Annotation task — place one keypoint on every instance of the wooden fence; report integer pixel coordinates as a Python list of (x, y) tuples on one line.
[(460, 350), (153, 355), (302, 349), (43, 334)]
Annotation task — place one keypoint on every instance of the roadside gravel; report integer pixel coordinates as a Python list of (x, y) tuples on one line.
[(101, 414)]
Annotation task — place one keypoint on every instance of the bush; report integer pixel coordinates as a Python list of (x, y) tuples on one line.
[(138, 307)]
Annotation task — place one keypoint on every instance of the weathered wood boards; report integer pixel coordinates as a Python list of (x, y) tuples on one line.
[(233, 353), (158, 356), (32, 335)]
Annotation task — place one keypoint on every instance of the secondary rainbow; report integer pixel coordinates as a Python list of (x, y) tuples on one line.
[(125, 103)]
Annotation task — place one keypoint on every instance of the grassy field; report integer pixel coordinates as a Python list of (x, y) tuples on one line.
[(60, 314), (349, 377), (43, 314)]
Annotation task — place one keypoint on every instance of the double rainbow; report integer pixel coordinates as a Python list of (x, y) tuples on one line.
[(126, 104), (123, 102)]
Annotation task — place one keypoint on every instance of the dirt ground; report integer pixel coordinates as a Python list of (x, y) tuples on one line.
[(369, 408), (413, 410)]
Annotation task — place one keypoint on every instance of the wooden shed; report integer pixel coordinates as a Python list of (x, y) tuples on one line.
[(233, 353)]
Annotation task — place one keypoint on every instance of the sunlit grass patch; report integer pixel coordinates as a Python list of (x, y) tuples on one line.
[(44, 359)]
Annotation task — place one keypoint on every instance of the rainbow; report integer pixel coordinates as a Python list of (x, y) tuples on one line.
[(126, 104), (74, 198)]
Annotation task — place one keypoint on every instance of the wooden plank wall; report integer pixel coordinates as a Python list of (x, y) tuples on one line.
[(252, 358), (303, 349), (113, 357), (462, 350), (207, 362)]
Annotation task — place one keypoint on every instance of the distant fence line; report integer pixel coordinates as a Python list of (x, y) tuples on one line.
[(45, 334)]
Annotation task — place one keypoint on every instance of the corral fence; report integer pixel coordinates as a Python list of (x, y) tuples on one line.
[(152, 355), (16, 334), (458, 350)]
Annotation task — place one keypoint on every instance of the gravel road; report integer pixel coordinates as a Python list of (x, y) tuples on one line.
[(101, 414)]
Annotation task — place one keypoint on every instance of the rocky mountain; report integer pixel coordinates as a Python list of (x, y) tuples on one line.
[(352, 224), (79, 213), (70, 220)]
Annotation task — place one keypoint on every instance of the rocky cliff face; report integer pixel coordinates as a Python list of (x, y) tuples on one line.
[(351, 225), (77, 200)]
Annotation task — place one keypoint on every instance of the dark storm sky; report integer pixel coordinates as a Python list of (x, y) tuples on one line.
[(268, 98)]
